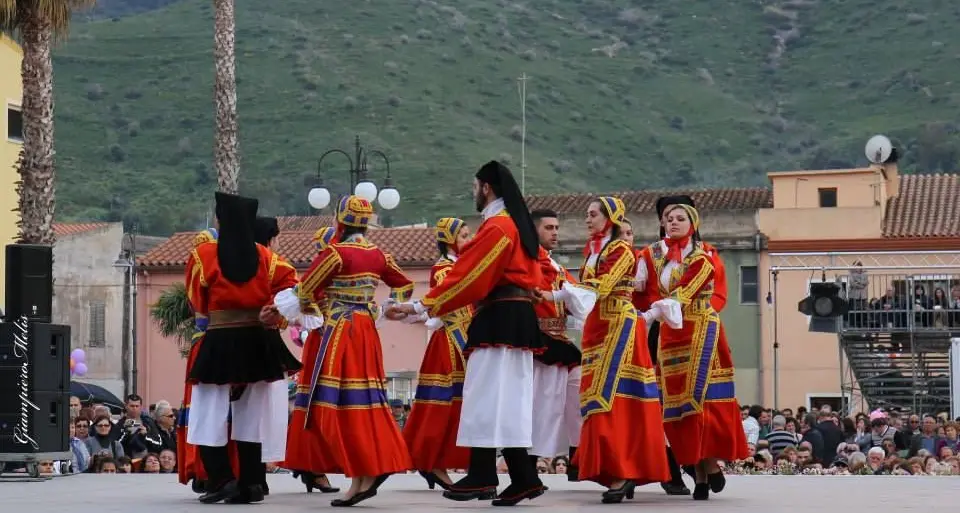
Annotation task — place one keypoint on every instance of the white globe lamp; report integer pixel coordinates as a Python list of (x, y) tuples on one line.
[(318, 197), (366, 190), (389, 198)]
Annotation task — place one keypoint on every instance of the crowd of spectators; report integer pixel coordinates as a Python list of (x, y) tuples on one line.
[(825, 442), (780, 442)]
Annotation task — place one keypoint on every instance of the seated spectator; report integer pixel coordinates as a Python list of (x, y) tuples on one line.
[(102, 440), (779, 439), (560, 465), (168, 461), (856, 462), (927, 438), (875, 457), (107, 465), (81, 455), (165, 436), (136, 428), (150, 464), (949, 438), (124, 465)]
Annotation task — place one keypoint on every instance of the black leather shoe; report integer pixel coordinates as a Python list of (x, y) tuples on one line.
[(675, 488), (484, 493), (616, 495), (227, 491), (701, 492), (356, 499), (514, 495), (717, 481)]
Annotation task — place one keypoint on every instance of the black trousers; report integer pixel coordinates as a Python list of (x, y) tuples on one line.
[(483, 468), (216, 461)]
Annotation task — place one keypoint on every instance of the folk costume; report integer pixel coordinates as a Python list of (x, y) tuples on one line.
[(498, 272), (556, 372), (229, 282), (275, 421), (311, 476), (189, 467), (431, 429), (622, 436), (342, 422), (695, 364)]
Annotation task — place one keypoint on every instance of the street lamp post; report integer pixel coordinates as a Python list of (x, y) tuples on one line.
[(128, 349), (388, 197)]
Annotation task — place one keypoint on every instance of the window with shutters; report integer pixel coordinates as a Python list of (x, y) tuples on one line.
[(749, 285), (96, 320)]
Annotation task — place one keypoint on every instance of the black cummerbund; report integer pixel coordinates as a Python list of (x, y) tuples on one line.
[(505, 318)]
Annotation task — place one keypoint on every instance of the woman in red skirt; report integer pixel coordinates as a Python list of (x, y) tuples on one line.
[(304, 467), (342, 422), (621, 443), (700, 412), (431, 428)]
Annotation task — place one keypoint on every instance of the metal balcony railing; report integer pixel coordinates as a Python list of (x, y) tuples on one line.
[(901, 303)]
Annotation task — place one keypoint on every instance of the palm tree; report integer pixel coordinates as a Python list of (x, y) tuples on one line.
[(38, 23), (226, 155), (173, 317)]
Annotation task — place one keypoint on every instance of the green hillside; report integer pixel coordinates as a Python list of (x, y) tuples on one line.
[(622, 94)]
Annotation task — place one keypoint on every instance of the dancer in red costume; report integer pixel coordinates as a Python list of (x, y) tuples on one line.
[(189, 467), (700, 420), (342, 421), (431, 428), (311, 477), (232, 282), (556, 372), (622, 437), (499, 270)]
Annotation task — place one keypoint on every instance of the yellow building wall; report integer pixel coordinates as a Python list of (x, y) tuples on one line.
[(11, 94)]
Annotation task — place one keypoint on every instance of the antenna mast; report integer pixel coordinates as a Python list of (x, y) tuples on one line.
[(522, 87)]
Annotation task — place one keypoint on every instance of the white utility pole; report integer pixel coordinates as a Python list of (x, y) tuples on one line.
[(522, 87)]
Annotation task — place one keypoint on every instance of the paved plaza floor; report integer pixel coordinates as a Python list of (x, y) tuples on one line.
[(142, 493)]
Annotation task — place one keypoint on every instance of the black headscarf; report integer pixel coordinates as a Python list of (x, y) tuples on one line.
[(500, 179), (265, 230), (237, 251), (665, 201)]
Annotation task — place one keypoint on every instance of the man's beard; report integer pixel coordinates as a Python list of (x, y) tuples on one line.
[(480, 201)]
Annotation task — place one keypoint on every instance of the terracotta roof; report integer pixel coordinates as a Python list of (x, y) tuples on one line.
[(412, 247), (926, 206), (646, 201), (67, 229), (303, 223)]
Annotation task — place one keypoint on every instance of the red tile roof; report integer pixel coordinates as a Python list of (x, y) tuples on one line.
[(926, 206), (67, 229), (303, 223), (646, 201), (412, 247)]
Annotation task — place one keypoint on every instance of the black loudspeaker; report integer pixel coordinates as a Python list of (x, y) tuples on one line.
[(29, 282), (34, 387)]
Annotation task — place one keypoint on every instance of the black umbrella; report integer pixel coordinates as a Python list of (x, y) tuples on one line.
[(90, 393)]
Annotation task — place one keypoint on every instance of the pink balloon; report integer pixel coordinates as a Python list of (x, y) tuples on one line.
[(78, 355), (80, 369)]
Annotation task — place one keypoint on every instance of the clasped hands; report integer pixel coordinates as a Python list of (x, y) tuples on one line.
[(270, 316), (542, 295), (399, 311)]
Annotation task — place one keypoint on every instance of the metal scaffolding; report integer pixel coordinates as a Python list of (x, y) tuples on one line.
[(920, 340)]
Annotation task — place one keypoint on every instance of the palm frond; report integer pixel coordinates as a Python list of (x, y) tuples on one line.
[(173, 317), (55, 12)]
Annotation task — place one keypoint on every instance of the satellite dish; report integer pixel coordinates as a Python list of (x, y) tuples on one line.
[(878, 149)]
